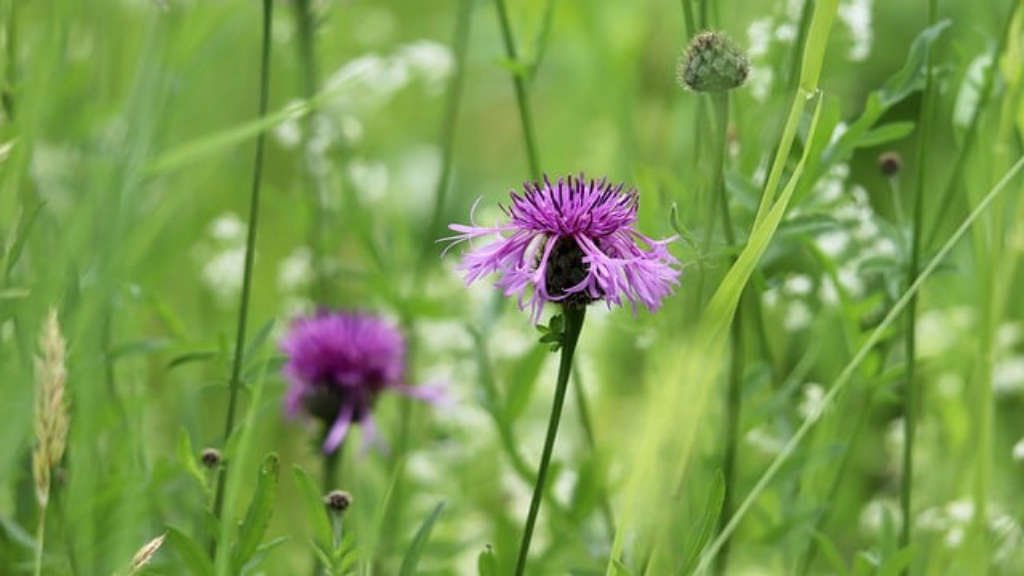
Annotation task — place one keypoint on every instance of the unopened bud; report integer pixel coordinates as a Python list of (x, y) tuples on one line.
[(210, 457), (712, 63), (890, 163), (337, 500)]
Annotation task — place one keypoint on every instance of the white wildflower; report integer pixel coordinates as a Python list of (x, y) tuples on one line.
[(227, 228), (222, 273), (813, 400), (856, 14), (798, 316), (296, 270), (369, 178), (430, 61), (1018, 450), (1008, 375), (833, 242)]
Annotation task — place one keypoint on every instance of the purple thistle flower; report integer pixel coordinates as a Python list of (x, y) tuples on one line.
[(573, 243), (338, 363)]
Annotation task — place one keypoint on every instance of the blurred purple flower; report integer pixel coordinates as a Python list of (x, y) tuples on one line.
[(338, 363), (573, 242)]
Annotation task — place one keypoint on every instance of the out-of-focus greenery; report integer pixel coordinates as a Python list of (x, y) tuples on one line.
[(126, 149)]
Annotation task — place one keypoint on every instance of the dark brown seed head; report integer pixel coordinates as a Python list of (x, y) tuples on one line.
[(337, 500)]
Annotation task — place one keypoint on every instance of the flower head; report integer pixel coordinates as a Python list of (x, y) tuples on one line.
[(712, 63), (572, 242), (338, 363)]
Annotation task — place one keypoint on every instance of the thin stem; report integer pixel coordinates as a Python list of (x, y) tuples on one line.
[(840, 474), (12, 61), (588, 432), (520, 87), (463, 20), (720, 103), (250, 251), (305, 27), (573, 325), (40, 536), (330, 483), (910, 400)]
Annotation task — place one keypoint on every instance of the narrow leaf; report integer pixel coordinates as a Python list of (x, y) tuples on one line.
[(260, 511), (412, 556), (190, 552)]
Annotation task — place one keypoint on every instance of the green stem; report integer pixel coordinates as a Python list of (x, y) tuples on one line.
[(690, 26), (588, 432), (910, 400), (250, 251), (970, 137), (11, 76), (305, 28), (463, 20), (40, 536), (720, 103), (840, 474), (573, 325), (796, 57), (330, 478), (520, 87)]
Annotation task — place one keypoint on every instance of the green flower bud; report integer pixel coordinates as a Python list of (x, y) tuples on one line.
[(712, 63)]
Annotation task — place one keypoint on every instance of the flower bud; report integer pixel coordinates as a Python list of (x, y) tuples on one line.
[(210, 457), (890, 163), (712, 63), (337, 500)]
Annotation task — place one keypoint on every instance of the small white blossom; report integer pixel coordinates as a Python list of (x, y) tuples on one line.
[(227, 228)]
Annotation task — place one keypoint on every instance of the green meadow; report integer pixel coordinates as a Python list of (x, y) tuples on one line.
[(835, 384)]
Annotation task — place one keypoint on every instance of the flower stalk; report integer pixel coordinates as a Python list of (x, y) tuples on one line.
[(250, 252), (910, 399), (574, 316)]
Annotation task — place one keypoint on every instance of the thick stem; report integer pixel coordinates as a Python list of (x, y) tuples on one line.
[(520, 87), (573, 325), (910, 400), (250, 251)]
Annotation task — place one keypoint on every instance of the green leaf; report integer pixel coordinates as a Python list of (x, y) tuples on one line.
[(487, 562), (412, 556), (257, 340), (261, 554), (191, 357), (260, 511), (21, 232), (910, 77), (831, 553), (897, 563), (515, 67), (188, 460), (312, 502), (523, 381), (190, 552), (885, 134), (708, 523)]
